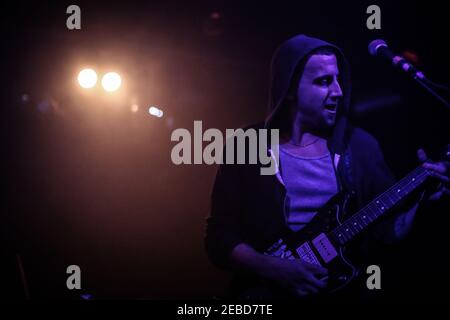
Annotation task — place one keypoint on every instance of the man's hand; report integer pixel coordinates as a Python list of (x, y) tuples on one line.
[(439, 170), (297, 276)]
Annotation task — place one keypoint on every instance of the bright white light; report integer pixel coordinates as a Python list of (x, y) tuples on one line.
[(111, 81), (155, 112), (87, 78)]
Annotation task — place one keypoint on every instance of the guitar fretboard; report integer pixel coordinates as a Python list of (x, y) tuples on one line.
[(379, 206)]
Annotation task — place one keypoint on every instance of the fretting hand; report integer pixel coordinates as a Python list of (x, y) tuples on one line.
[(439, 170)]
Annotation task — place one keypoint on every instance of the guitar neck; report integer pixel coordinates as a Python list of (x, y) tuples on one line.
[(379, 206)]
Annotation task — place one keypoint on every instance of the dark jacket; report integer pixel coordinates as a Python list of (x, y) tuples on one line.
[(248, 207)]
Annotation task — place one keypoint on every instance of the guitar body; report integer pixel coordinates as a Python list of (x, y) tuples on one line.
[(323, 241), (314, 246)]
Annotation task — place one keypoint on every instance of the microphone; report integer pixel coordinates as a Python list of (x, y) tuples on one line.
[(380, 48)]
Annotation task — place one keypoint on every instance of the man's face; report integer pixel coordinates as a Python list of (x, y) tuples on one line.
[(319, 92)]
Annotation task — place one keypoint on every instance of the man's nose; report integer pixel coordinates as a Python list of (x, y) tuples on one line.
[(336, 91)]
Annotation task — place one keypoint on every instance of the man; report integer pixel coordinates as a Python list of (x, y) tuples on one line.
[(320, 155)]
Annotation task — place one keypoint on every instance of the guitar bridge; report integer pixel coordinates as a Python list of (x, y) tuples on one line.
[(307, 254)]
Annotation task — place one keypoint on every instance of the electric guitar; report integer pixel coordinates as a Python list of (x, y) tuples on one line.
[(323, 241)]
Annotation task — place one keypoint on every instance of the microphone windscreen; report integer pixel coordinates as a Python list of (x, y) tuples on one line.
[(375, 44)]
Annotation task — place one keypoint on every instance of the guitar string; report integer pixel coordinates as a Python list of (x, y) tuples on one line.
[(395, 186)]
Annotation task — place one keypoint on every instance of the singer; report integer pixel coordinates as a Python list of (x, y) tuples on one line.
[(254, 219)]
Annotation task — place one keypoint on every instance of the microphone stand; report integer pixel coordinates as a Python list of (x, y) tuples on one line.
[(423, 82)]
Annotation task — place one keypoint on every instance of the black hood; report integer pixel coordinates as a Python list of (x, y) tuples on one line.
[(284, 63)]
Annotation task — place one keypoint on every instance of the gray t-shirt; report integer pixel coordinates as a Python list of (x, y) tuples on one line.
[(310, 183)]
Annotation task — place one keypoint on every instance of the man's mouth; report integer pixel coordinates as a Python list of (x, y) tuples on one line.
[(331, 107)]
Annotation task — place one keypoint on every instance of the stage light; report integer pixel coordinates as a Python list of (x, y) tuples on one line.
[(411, 56), (215, 15), (134, 107), (154, 111), (111, 81), (87, 78), (43, 106), (25, 98)]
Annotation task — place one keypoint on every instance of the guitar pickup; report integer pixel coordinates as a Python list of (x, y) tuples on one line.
[(324, 248)]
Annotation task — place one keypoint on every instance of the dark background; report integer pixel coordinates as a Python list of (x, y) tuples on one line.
[(88, 182)]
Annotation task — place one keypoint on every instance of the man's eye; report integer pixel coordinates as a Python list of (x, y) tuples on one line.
[(324, 81)]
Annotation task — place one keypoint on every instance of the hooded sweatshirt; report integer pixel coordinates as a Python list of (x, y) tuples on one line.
[(247, 207), (287, 57)]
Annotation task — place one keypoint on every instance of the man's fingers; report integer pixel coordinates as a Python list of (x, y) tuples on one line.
[(443, 191), (421, 154), (306, 289), (438, 167), (439, 176), (438, 170), (318, 276), (317, 270), (301, 292), (320, 284), (311, 289)]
